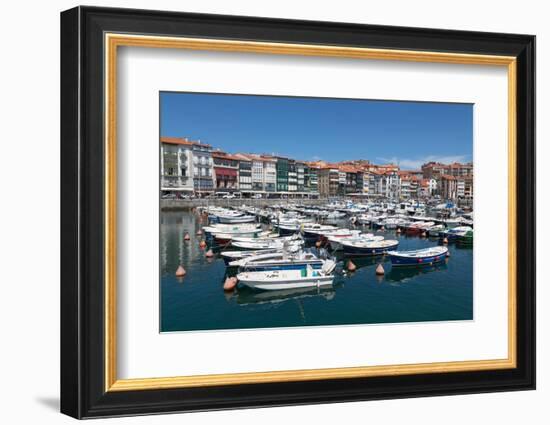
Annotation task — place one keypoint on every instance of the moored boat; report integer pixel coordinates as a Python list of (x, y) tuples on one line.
[(307, 277), (278, 261), (234, 219), (336, 245), (418, 257), (368, 247), (268, 243), (467, 239), (419, 227), (456, 232), (225, 232)]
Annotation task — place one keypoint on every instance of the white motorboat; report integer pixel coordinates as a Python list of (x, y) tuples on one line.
[(335, 242), (264, 235), (307, 277), (229, 256), (366, 247), (227, 232), (267, 244), (280, 260), (233, 219)]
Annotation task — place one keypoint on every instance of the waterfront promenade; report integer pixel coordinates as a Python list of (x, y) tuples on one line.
[(184, 204)]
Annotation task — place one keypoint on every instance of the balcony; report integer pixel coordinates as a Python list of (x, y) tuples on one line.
[(174, 181)]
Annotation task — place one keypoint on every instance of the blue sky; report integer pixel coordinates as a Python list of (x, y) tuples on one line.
[(408, 133)]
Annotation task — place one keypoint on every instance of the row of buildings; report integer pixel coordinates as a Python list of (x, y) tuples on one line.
[(192, 166)]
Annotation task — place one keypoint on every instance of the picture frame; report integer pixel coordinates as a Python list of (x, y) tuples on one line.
[(90, 39)]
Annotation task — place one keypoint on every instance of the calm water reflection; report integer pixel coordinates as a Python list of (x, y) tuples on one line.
[(198, 302)]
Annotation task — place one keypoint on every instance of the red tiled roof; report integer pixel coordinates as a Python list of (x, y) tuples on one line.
[(224, 155), (447, 177), (176, 141), (182, 141)]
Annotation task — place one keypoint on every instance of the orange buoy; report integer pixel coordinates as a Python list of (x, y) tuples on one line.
[(230, 283), (351, 266), (199, 232), (318, 244), (445, 241), (423, 234), (186, 237), (209, 254), (380, 270), (398, 230), (202, 243), (382, 228), (180, 272)]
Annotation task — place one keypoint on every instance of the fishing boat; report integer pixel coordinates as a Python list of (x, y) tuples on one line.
[(467, 239), (435, 230), (393, 223), (365, 219), (454, 233), (266, 236), (280, 260), (229, 256), (335, 242), (236, 218), (307, 277), (225, 232), (313, 230), (418, 257), (289, 227), (267, 244), (368, 247), (335, 215), (418, 227)]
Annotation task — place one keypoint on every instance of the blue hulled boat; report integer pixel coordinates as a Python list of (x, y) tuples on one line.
[(419, 257)]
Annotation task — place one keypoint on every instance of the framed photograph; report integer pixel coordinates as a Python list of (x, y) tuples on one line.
[(261, 212)]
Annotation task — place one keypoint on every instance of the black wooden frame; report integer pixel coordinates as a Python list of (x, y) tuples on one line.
[(82, 212)]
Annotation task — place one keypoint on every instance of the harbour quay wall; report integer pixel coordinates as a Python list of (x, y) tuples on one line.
[(185, 204)]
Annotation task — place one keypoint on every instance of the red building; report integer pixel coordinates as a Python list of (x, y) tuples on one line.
[(226, 171)]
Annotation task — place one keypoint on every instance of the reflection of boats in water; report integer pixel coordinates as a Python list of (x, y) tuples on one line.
[(247, 296), (364, 261), (403, 274)]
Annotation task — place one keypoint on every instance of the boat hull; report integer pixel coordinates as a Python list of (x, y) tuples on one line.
[(313, 282), (398, 261), (418, 258), (367, 251), (236, 220), (272, 266)]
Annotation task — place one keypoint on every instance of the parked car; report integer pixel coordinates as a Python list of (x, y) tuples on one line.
[(228, 196), (257, 196)]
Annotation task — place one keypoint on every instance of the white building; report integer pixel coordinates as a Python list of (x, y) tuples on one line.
[(176, 166), (270, 174), (203, 167)]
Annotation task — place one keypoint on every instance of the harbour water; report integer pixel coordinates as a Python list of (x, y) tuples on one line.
[(198, 302)]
